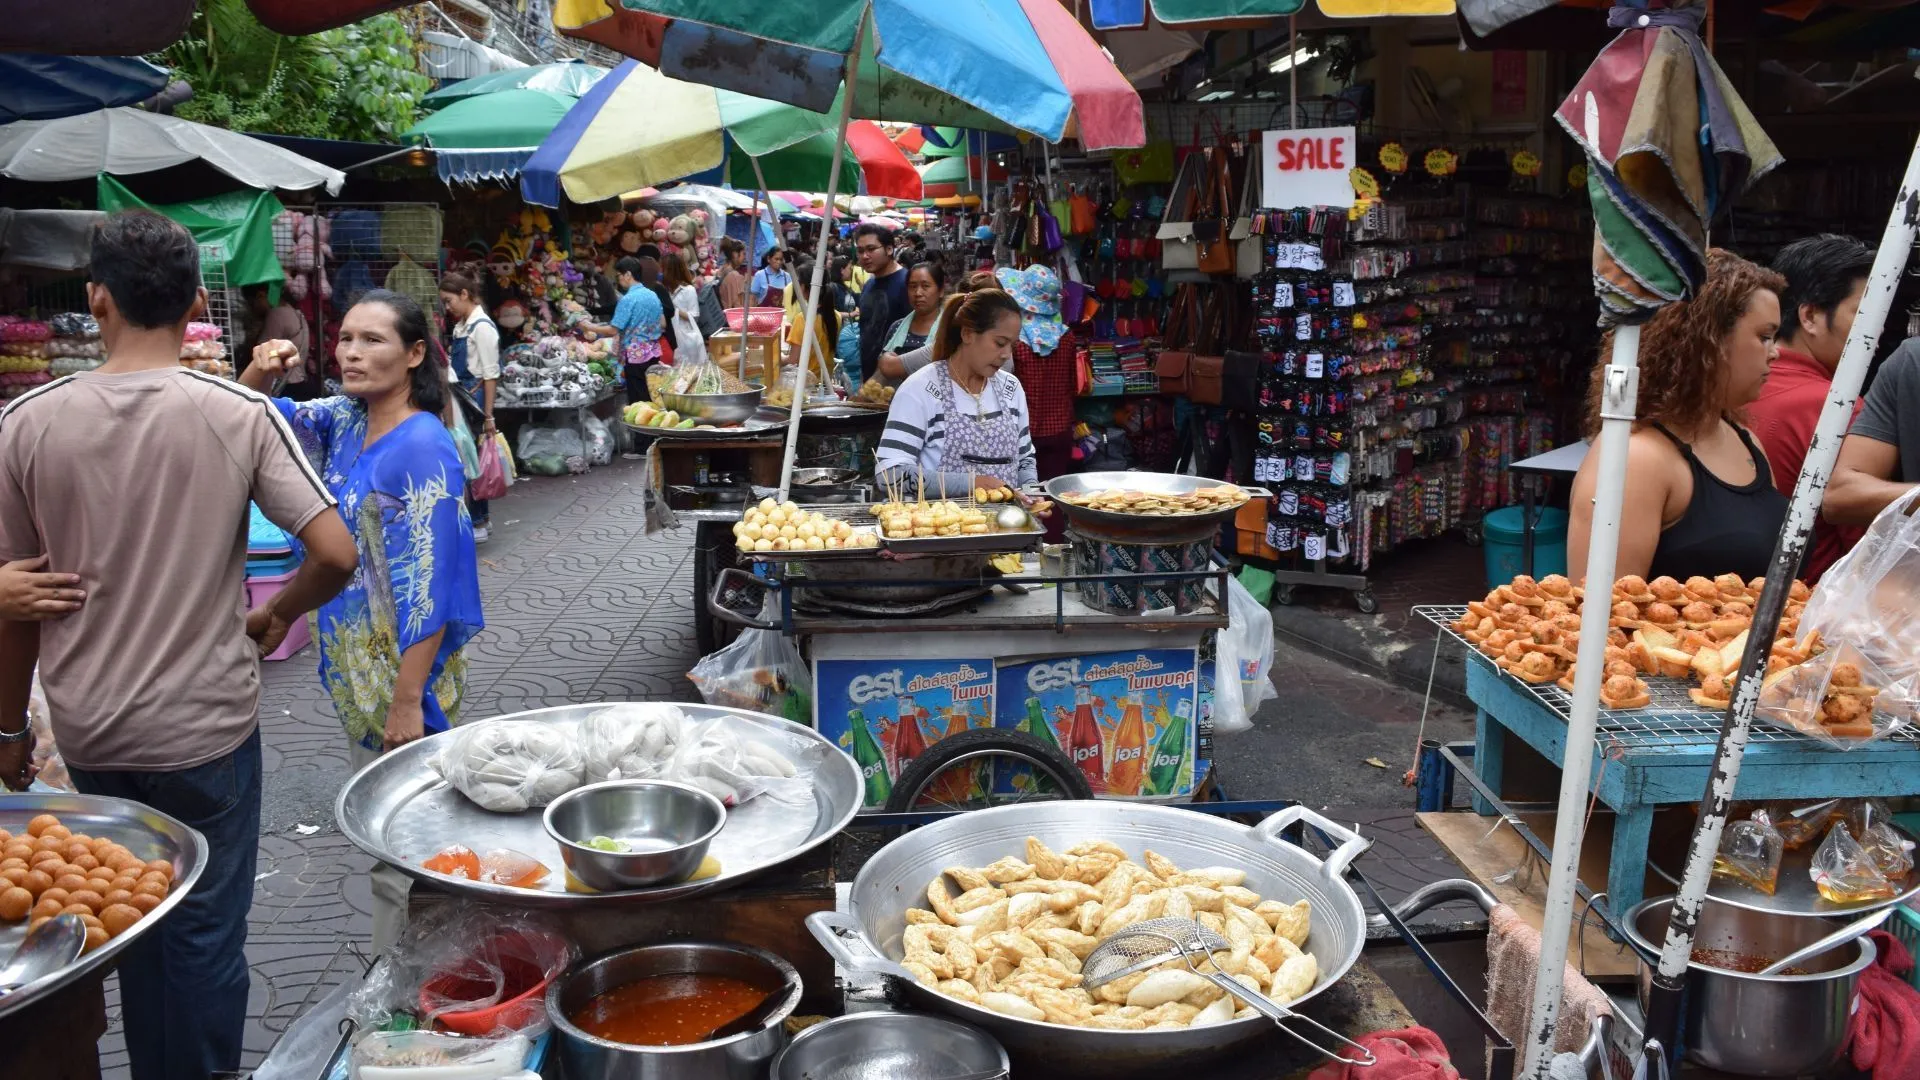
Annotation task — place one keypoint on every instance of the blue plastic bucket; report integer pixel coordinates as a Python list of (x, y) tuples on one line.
[(1504, 536)]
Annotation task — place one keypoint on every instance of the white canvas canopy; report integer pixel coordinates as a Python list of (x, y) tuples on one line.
[(126, 142)]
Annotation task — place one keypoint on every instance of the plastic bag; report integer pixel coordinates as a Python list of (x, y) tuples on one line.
[(1800, 823), (732, 767), (1245, 650), (509, 765), (552, 451), (1750, 853), (308, 1044), (380, 1054), (599, 441), (1872, 823), (631, 741), (463, 443), (1840, 697), (491, 481), (761, 671), (1844, 872), (459, 963)]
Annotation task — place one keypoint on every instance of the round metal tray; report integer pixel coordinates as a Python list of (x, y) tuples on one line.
[(146, 832), (398, 810), (832, 415), (1794, 892), (754, 427), (1106, 523)]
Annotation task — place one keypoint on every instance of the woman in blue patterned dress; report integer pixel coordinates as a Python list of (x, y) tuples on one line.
[(391, 645)]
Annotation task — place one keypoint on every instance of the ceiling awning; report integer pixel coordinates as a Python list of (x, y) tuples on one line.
[(41, 86), (127, 142)]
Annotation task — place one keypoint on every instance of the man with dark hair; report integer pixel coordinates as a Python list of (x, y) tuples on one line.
[(153, 684), (883, 299), (1826, 276)]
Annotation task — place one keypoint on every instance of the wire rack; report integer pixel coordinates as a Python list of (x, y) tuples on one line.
[(1670, 721)]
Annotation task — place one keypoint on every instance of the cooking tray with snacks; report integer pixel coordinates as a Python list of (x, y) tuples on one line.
[(399, 810), (758, 426), (145, 833), (770, 531), (960, 527), (1146, 503)]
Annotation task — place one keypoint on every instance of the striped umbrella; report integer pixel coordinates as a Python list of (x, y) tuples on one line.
[(1003, 65), (1220, 14)]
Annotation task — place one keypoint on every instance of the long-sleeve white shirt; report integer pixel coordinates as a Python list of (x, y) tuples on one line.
[(916, 432)]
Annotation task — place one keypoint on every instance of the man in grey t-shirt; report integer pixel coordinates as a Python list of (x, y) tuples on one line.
[(1877, 466)]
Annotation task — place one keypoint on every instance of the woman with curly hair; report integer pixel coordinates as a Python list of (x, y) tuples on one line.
[(1700, 498)]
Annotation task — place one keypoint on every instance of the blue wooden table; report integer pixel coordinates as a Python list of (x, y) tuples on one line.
[(1660, 756)]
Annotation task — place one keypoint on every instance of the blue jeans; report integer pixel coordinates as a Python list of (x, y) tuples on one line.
[(477, 510), (183, 985)]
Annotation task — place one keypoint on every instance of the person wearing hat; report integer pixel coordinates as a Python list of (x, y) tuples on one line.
[(1043, 360)]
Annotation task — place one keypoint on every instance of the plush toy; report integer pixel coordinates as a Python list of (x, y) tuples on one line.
[(628, 241), (681, 231), (511, 314), (642, 219)]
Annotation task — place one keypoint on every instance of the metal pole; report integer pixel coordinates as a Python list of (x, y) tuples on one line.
[(1663, 1012), (1618, 401), (819, 269), (747, 298), (1293, 72)]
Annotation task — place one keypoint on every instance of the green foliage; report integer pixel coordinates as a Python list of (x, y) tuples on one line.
[(358, 82)]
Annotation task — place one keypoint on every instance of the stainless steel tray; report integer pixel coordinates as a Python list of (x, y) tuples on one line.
[(398, 810), (1140, 524), (1794, 891), (146, 832), (989, 543), (831, 412), (754, 427)]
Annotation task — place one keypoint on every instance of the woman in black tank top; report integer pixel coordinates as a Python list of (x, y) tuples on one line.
[(1700, 497)]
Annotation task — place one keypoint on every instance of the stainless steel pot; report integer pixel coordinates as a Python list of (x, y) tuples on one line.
[(1758, 1025), (716, 408), (889, 1046), (742, 1057), (868, 937)]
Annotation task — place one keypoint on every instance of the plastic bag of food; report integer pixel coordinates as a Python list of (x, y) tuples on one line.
[(719, 760), (761, 671), (1867, 599), (390, 1055), (631, 741), (509, 765), (472, 968), (1845, 872), (703, 376), (1840, 697), (1872, 824), (1800, 823), (1750, 853)]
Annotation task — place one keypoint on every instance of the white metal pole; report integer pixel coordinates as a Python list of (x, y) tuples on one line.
[(1293, 72), (819, 270), (1875, 304), (1618, 399), (747, 299)]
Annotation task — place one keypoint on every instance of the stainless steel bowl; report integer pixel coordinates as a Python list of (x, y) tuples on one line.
[(669, 826), (721, 408), (741, 1057), (1758, 1025), (889, 1046)]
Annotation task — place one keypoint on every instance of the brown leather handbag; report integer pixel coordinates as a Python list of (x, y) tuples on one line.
[(1195, 370), (1213, 217), (1174, 364)]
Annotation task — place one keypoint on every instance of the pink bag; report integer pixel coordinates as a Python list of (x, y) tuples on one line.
[(492, 481), (759, 320)]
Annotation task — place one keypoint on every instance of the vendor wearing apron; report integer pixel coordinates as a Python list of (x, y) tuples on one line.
[(960, 423), (474, 363), (771, 280)]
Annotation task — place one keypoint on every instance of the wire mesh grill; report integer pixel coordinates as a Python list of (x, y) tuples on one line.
[(224, 303), (1670, 721)]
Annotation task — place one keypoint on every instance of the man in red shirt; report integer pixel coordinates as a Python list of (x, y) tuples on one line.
[(1826, 276)]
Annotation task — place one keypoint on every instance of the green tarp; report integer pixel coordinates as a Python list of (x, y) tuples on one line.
[(235, 230)]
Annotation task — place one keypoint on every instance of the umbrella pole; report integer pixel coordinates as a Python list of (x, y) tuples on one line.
[(753, 237), (819, 268), (1619, 399), (1663, 1011)]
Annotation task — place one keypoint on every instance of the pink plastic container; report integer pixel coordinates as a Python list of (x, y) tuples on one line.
[(259, 591)]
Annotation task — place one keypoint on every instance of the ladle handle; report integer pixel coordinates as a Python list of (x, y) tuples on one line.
[(1831, 941), (1279, 1014)]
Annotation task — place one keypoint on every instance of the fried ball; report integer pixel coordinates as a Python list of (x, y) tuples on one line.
[(8, 864), (73, 849), (118, 896), (14, 904), (52, 858), (41, 824), (96, 937), (1697, 612), (144, 902), (117, 918), (93, 901), (1660, 613), (1664, 588), (55, 894), (155, 889), (85, 861), (1736, 610), (71, 882), (101, 876), (18, 849), (37, 882), (47, 908), (123, 883), (14, 875), (5, 838), (1799, 591), (52, 844), (1845, 673), (1626, 609), (154, 875), (1729, 584), (58, 832), (1701, 588), (120, 860), (1631, 585), (102, 847), (77, 909), (161, 866), (37, 922)]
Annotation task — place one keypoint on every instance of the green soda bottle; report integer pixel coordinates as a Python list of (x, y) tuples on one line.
[(1036, 724), (1170, 754), (873, 764)]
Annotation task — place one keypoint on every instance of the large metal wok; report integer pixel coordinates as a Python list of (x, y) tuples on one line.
[(867, 938), (1142, 527)]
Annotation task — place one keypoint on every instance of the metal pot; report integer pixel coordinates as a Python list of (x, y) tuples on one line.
[(1757, 1025), (868, 937), (1138, 528), (717, 408), (741, 1057), (904, 577), (889, 1044)]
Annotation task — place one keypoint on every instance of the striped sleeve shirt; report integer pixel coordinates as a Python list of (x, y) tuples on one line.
[(913, 442)]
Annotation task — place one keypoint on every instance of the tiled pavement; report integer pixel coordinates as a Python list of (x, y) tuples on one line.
[(582, 606)]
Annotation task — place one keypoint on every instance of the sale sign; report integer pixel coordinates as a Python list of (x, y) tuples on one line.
[(1307, 167)]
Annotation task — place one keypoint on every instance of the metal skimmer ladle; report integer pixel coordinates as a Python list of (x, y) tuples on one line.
[(1151, 943), (1832, 941)]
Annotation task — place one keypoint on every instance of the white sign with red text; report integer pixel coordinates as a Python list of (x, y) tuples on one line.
[(1307, 167)]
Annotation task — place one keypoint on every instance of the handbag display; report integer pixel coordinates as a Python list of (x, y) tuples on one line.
[(1213, 217), (1196, 370)]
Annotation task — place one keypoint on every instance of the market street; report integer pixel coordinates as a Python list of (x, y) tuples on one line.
[(581, 606)]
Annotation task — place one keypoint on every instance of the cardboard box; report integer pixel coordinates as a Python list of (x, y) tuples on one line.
[(886, 712), (1129, 720)]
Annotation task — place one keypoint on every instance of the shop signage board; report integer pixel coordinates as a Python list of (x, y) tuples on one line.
[(1307, 167), (886, 712), (1129, 720)]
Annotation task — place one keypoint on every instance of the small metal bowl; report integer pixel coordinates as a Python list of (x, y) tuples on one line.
[(669, 824), (719, 408), (889, 1044)]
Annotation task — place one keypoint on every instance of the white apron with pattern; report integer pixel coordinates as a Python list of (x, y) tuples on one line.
[(974, 445)]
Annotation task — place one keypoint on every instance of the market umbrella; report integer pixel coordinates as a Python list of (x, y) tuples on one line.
[(1132, 14), (502, 120), (884, 168), (910, 139), (571, 78), (39, 86), (1669, 147), (1010, 65), (126, 142)]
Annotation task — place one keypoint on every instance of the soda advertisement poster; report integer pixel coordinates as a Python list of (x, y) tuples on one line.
[(885, 713), (1127, 719)]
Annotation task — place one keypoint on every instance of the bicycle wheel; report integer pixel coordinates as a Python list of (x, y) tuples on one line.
[(973, 770)]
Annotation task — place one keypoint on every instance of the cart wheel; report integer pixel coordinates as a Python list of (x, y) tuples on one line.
[(1283, 595), (1473, 534), (713, 550), (1366, 603), (973, 770)]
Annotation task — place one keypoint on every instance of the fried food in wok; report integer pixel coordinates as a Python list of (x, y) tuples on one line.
[(1158, 504), (1013, 937)]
